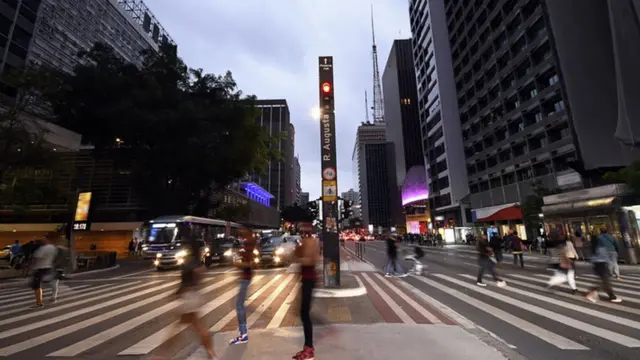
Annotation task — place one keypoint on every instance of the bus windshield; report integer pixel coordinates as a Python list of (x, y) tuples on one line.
[(163, 233)]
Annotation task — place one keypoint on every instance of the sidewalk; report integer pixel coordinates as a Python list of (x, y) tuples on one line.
[(355, 342)]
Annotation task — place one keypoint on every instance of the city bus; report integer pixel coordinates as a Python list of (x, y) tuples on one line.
[(161, 232)]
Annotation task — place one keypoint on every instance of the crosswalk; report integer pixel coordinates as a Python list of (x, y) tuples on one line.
[(525, 308)]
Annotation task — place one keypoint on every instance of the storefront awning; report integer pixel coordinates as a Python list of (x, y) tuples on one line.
[(497, 213), (582, 205)]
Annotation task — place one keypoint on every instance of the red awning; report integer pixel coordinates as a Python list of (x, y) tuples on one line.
[(508, 213)]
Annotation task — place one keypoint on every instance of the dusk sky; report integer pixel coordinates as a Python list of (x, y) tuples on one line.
[(272, 49)]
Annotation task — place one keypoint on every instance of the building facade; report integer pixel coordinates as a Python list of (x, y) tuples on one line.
[(279, 177), (304, 198), (439, 115), (297, 181), (66, 27), (373, 158), (532, 89)]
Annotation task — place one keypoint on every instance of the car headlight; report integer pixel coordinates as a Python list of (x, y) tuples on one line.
[(180, 254), (228, 253), (280, 251), (145, 247), (158, 255), (206, 249), (256, 252)]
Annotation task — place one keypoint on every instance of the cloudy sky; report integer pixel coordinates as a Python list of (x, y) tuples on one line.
[(272, 48)]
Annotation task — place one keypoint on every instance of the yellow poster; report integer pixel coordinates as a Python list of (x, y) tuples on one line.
[(82, 209)]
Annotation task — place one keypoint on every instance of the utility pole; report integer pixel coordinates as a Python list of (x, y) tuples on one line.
[(330, 239)]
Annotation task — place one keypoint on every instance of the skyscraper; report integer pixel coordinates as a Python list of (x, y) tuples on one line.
[(539, 95), (304, 198), (354, 197), (439, 115), (373, 160), (298, 183), (274, 117), (66, 27)]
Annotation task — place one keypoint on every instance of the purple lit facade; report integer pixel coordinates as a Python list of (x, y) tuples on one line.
[(415, 187), (255, 192)]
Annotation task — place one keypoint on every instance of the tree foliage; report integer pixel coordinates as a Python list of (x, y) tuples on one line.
[(28, 164), (629, 175), (189, 133), (296, 213), (532, 207), (233, 212)]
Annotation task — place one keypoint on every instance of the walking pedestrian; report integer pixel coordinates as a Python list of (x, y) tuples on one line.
[(579, 245), (392, 254), (191, 299), (566, 268), (517, 247), (43, 271), (486, 263), (246, 266), (611, 245), (307, 254), (496, 246), (600, 259)]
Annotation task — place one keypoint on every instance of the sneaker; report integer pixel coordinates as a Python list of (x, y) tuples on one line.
[(387, 275), (479, 283), (501, 283), (616, 300), (305, 354), (53, 300), (36, 306), (592, 296), (240, 339), (574, 291)]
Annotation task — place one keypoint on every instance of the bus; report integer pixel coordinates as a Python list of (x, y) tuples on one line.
[(165, 230)]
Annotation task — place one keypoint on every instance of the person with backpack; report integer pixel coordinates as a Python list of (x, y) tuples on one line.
[(486, 263), (611, 245), (600, 260), (517, 248)]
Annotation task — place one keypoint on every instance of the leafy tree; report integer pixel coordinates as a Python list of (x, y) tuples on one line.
[(190, 134), (532, 207), (295, 214), (629, 175), (233, 212), (27, 163)]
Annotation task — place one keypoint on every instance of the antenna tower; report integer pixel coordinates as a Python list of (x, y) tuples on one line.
[(366, 107), (378, 107)]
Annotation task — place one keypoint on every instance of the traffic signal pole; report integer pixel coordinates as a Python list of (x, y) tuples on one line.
[(330, 238)]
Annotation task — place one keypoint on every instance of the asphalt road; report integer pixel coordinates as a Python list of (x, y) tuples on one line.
[(127, 312), (538, 323)]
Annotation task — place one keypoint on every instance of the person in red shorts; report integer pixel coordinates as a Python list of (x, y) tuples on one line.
[(308, 256)]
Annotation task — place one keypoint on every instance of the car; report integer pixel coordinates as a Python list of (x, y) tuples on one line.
[(174, 256), (275, 250), (223, 251)]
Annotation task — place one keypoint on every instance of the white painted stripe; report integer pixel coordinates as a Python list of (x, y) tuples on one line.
[(63, 292), (624, 282), (452, 314), (131, 274), (570, 296), (30, 294), (518, 323), (156, 339), (574, 307), (419, 308), (595, 283), (265, 305), (49, 321), (404, 317), (568, 321), (120, 329), (497, 338), (33, 342), (225, 320), (284, 308)]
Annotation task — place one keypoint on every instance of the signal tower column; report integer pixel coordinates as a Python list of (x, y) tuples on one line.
[(330, 238)]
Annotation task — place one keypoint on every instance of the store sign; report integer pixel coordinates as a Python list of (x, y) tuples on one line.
[(81, 218)]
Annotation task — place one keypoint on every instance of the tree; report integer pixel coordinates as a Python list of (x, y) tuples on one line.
[(629, 175), (233, 212), (294, 214), (28, 163), (190, 134), (532, 208)]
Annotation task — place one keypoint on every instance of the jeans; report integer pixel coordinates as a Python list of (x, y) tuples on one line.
[(241, 311), (486, 263), (305, 310), (602, 270), (393, 264), (613, 264), (54, 288), (515, 259)]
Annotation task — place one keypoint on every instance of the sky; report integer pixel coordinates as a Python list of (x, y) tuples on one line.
[(272, 49)]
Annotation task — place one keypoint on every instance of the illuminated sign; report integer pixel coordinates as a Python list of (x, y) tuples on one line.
[(80, 226), (81, 218)]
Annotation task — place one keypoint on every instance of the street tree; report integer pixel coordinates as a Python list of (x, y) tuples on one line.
[(28, 163), (232, 212), (188, 133), (295, 214), (629, 175)]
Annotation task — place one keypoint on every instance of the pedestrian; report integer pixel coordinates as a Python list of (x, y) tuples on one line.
[(517, 247), (246, 266), (579, 245), (190, 298), (566, 268), (307, 254), (600, 260), (496, 246), (132, 247), (486, 263), (611, 245), (392, 254), (43, 272)]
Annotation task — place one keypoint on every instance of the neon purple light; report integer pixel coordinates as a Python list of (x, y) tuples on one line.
[(257, 193), (413, 197)]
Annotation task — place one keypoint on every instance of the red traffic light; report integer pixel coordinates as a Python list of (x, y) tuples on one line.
[(326, 88)]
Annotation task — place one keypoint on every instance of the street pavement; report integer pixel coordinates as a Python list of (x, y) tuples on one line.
[(538, 323)]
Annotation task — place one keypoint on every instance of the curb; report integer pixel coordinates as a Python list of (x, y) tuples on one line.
[(116, 266), (341, 293)]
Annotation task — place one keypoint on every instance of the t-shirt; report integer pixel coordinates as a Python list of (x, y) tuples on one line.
[(392, 250), (44, 257)]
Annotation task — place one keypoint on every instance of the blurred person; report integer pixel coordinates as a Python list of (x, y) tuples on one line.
[(611, 245), (495, 242), (600, 260), (191, 299), (579, 245), (517, 248), (485, 262), (307, 254), (246, 265), (42, 269), (392, 254), (566, 269)]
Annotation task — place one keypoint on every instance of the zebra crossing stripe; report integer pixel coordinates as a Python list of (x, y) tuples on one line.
[(543, 334), (594, 283), (581, 309), (156, 339), (419, 308), (120, 329), (272, 297), (389, 301), (566, 320), (284, 308), (29, 295), (225, 320)]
